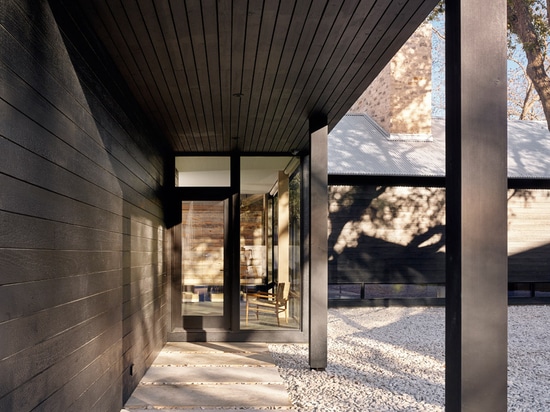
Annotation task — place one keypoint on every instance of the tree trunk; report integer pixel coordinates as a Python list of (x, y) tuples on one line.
[(521, 24), (528, 102)]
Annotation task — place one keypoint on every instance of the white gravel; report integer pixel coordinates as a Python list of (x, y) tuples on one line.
[(392, 359)]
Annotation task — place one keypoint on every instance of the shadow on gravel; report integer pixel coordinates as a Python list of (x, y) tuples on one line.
[(379, 359)]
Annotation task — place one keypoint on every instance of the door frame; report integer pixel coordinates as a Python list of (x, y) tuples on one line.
[(231, 291), (199, 322), (233, 333)]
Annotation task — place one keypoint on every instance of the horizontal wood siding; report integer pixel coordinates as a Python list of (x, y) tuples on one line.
[(396, 235), (82, 280), (386, 234), (529, 235)]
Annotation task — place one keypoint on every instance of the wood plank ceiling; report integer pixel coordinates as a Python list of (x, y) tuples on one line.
[(245, 75)]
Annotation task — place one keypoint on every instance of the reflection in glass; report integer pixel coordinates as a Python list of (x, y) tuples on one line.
[(203, 171), (270, 275), (202, 258)]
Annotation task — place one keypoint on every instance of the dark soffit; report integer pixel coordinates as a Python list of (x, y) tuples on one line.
[(222, 75)]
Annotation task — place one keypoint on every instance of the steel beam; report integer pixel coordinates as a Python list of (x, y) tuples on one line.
[(318, 286), (476, 296)]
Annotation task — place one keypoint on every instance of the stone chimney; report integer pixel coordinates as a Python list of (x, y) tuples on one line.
[(399, 99)]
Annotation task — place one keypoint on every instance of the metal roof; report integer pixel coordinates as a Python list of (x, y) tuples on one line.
[(358, 146)]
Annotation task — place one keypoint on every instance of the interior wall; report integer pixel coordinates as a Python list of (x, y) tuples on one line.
[(82, 279)]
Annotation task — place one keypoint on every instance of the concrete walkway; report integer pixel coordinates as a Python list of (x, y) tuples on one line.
[(211, 376)]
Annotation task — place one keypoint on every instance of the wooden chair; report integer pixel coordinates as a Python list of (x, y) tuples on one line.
[(266, 302)]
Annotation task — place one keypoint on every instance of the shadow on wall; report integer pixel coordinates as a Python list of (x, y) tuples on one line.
[(375, 260), (532, 265), (130, 176), (397, 235), (386, 235)]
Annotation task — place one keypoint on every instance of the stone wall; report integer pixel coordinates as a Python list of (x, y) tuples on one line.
[(399, 99)]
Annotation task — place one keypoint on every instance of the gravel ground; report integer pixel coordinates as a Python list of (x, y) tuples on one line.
[(392, 359)]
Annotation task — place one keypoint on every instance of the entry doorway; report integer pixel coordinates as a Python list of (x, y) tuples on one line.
[(239, 245), (270, 261), (204, 269)]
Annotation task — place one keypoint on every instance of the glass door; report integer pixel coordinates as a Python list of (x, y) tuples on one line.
[(205, 297), (270, 271)]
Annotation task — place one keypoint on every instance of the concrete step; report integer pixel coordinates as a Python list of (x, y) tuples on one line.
[(211, 376)]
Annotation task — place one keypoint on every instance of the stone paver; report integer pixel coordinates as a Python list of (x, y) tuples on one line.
[(208, 395), (211, 376), (191, 374), (214, 359)]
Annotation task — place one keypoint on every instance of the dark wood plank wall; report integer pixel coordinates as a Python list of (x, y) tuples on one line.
[(385, 258), (374, 235), (82, 278)]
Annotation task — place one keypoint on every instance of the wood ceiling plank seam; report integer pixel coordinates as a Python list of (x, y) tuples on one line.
[(198, 43), (136, 55), (194, 98), (160, 48), (413, 20), (188, 84), (341, 26), (375, 52), (137, 156), (291, 112), (301, 136), (314, 60), (238, 30), (151, 42), (350, 43), (89, 9), (224, 17), (210, 20), (122, 59), (96, 22), (345, 55), (306, 43), (273, 74), (118, 91), (347, 44), (252, 33), (280, 118), (290, 48), (285, 10), (265, 38), (299, 24), (370, 52), (164, 18), (401, 28)]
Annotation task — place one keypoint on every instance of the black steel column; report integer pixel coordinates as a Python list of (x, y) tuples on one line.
[(476, 294), (232, 276), (318, 285)]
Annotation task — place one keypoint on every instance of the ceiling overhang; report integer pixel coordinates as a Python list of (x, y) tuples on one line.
[(241, 75)]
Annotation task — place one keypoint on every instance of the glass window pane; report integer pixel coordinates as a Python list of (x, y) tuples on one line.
[(202, 258), (203, 171), (269, 299)]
